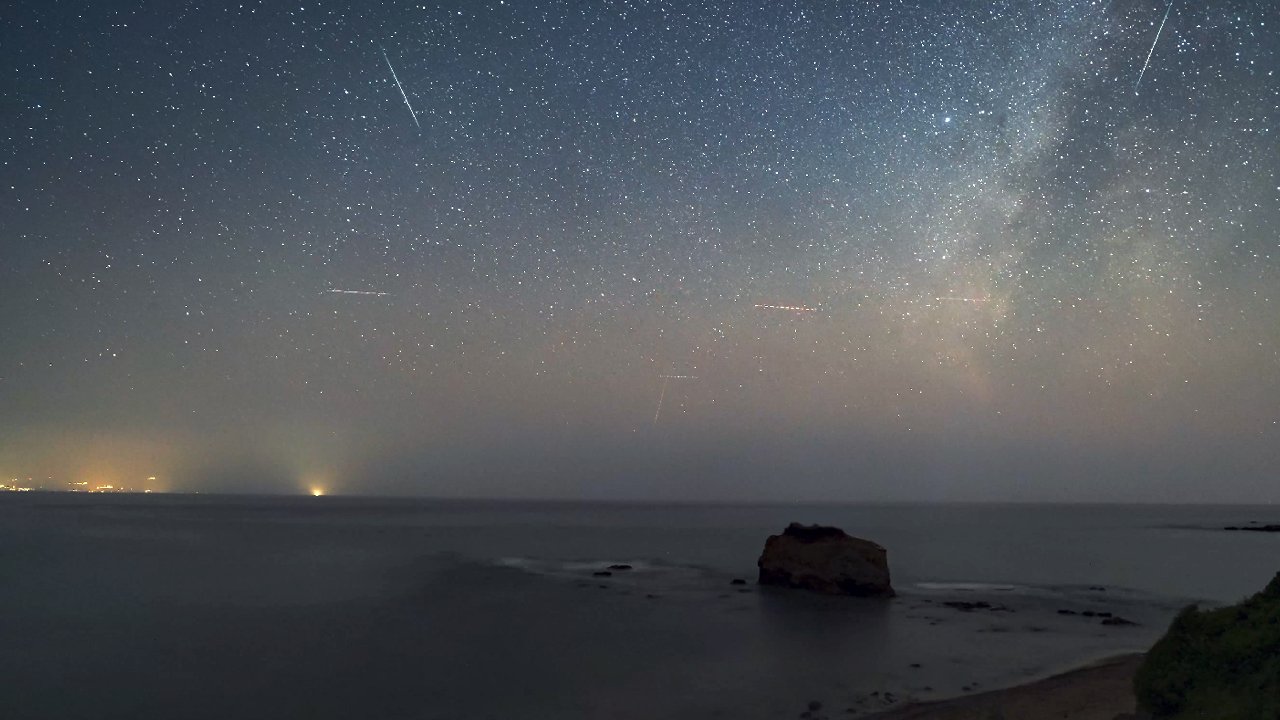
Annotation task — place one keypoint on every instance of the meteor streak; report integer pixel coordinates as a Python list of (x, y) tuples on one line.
[(792, 308), (1153, 46), (370, 293), (402, 94), (662, 396)]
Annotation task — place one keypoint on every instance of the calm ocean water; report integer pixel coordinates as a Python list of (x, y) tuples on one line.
[(245, 607)]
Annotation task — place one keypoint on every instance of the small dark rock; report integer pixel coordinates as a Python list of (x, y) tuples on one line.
[(814, 706), (602, 573), (915, 665), (620, 566), (737, 581), (1068, 612), (1117, 620), (968, 606)]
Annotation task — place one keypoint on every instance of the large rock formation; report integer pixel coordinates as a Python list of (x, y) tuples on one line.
[(1221, 664), (826, 560)]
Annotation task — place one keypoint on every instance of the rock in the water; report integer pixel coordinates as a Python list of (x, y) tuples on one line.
[(620, 566), (825, 559), (602, 573), (737, 581), (967, 606), (1117, 620)]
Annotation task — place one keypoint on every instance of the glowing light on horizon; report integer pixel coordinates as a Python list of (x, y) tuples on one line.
[(317, 491)]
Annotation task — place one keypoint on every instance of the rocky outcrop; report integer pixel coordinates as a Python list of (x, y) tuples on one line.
[(1220, 664), (826, 560)]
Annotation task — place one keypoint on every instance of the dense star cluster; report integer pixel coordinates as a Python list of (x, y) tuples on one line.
[(900, 249)]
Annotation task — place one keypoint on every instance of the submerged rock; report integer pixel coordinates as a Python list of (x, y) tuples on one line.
[(620, 566), (827, 560)]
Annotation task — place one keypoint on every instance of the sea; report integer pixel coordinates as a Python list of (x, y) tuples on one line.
[(197, 606)]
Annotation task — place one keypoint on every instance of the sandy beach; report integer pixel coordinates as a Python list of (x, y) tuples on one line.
[(1102, 691)]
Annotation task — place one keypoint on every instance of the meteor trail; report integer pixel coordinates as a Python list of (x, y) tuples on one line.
[(406, 97), (371, 293), (793, 308), (662, 396), (1153, 46)]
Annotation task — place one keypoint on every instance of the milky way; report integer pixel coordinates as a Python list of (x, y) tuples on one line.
[(909, 250)]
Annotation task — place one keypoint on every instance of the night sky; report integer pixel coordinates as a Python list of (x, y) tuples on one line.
[(917, 250)]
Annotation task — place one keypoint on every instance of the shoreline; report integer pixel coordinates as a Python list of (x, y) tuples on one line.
[(1101, 690)]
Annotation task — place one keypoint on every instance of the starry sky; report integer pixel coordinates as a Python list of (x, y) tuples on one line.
[(688, 250)]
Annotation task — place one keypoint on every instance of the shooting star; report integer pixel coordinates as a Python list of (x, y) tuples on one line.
[(792, 308), (1152, 51), (662, 396), (368, 293), (402, 93)]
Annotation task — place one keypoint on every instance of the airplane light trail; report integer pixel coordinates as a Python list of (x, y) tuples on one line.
[(962, 299), (1153, 46), (793, 308), (402, 93), (370, 293)]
